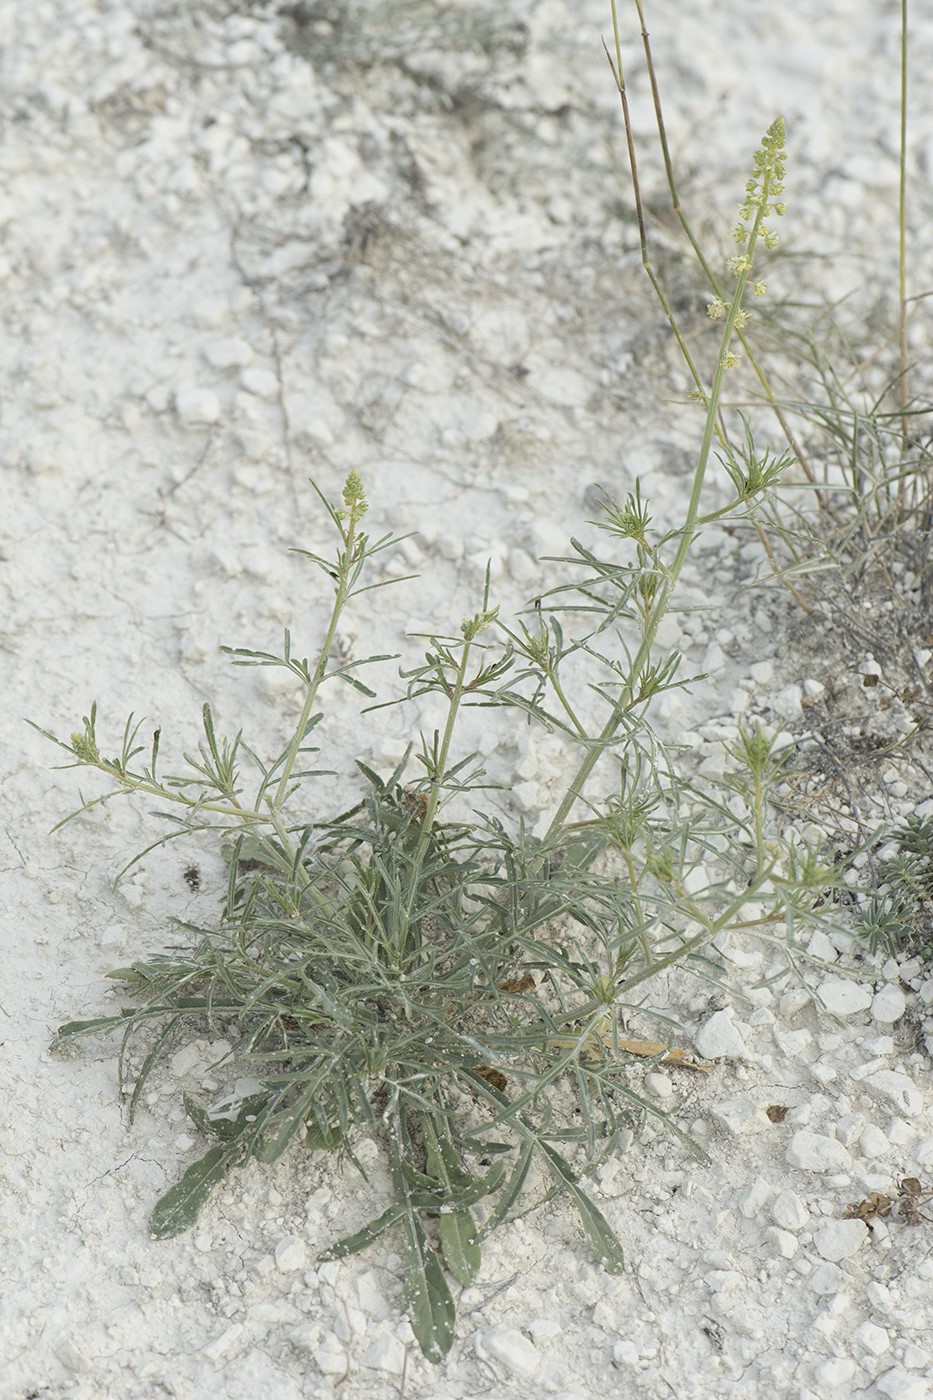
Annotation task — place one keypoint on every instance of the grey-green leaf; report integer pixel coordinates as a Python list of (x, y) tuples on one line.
[(431, 1308), (460, 1243), (352, 1244), (602, 1237), (179, 1208)]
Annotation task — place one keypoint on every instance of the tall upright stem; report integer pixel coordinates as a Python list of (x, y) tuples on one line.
[(629, 697), (349, 556)]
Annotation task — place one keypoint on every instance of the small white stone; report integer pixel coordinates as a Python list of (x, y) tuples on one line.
[(916, 1359), (888, 1005), (793, 1042), (510, 1348), (290, 1254), (331, 1359), (738, 1116), (898, 1089), (386, 1354), (814, 1152), (229, 353), (872, 1338), (781, 1242), (838, 1371), (545, 1329), (521, 566), (879, 1296), (197, 406), (789, 1212), (898, 1385), (801, 1116), (188, 1058), (788, 703), (844, 998), (70, 1355), (659, 1085), (113, 936), (849, 1129), (223, 1344), (719, 1038), (873, 1142), (840, 1239), (899, 1133), (261, 382), (793, 1001), (864, 1070), (762, 672), (752, 1200), (625, 1353), (821, 946), (826, 1279), (371, 1297)]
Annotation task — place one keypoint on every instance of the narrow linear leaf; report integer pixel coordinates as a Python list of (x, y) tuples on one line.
[(444, 1196), (149, 1063), (99, 1023), (288, 1123), (352, 1244), (179, 1208), (602, 1237), (510, 1192)]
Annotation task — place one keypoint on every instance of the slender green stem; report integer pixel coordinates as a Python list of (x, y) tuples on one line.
[(453, 709), (619, 77), (353, 547), (709, 930), (233, 809), (672, 574), (568, 709), (701, 258)]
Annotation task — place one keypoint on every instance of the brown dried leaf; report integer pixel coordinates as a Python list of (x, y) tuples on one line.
[(680, 1058), (525, 983)]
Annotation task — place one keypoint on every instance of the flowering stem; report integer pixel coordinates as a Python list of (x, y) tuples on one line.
[(766, 181)]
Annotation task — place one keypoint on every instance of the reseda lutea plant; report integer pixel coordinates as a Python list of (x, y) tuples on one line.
[(453, 985)]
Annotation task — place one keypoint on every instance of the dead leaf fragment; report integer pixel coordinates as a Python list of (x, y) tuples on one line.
[(516, 985), (648, 1048)]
